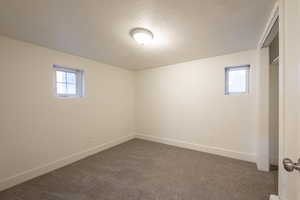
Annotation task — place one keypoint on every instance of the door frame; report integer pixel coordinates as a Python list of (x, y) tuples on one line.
[(277, 13)]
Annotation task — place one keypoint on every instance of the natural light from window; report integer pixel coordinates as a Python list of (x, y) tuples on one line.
[(68, 82), (237, 80)]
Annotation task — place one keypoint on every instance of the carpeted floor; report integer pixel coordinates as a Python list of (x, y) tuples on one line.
[(142, 170)]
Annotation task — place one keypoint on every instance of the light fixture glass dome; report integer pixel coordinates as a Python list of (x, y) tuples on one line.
[(142, 36)]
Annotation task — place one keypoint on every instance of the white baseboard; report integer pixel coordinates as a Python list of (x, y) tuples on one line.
[(274, 197), (263, 163), (43, 169), (213, 150)]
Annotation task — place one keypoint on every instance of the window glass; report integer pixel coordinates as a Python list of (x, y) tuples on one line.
[(68, 82), (237, 80), (60, 76), (61, 88), (71, 78)]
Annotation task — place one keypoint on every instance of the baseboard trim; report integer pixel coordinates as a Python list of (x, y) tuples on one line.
[(202, 148), (274, 197), (43, 169)]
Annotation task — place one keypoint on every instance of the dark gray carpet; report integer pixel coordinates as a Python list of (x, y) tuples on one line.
[(142, 170)]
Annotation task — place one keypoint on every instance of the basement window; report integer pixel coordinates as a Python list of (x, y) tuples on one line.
[(68, 82), (237, 80)]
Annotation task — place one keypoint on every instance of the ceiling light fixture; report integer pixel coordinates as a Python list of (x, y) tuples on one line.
[(141, 35)]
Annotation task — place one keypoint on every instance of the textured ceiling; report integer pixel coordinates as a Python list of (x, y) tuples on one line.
[(184, 30)]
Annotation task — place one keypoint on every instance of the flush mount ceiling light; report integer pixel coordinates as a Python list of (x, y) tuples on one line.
[(141, 35)]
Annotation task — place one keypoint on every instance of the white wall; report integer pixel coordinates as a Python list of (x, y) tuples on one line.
[(185, 105), (39, 132)]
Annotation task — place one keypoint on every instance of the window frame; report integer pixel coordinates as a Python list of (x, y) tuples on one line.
[(79, 87), (236, 68)]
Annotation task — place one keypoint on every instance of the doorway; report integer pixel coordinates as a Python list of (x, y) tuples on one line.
[(289, 67), (270, 101), (274, 106), (274, 115)]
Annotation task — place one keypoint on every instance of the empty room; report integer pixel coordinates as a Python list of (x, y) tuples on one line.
[(150, 100)]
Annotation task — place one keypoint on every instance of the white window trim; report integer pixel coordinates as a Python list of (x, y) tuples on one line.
[(233, 68), (79, 81)]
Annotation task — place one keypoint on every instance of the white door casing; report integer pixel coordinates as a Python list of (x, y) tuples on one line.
[(289, 80), (289, 97), (263, 136)]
